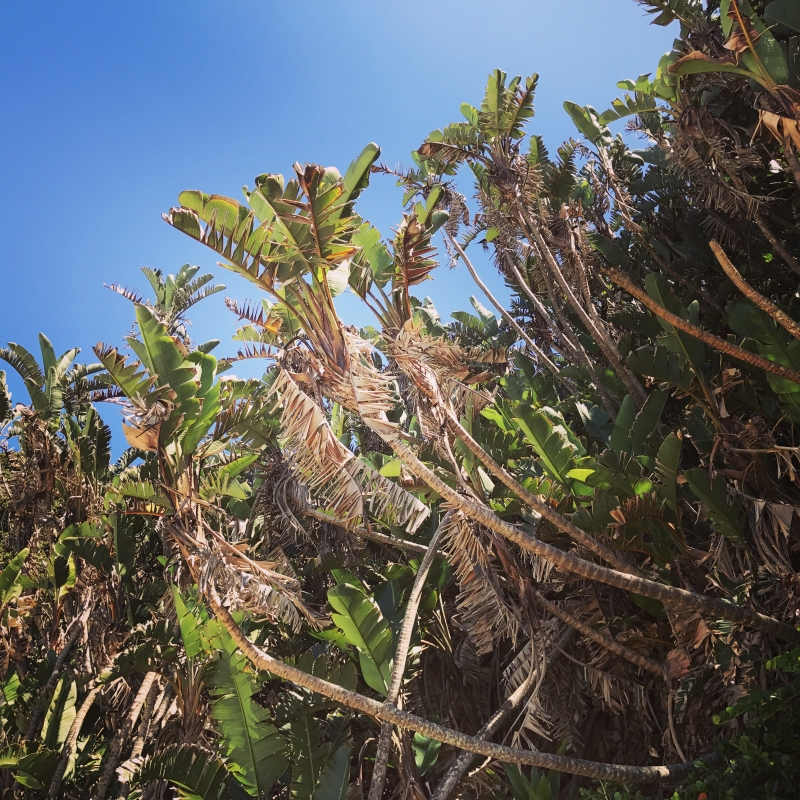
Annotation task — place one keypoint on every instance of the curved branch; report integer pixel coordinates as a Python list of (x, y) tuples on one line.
[(119, 741), (381, 538), (404, 719), (563, 524), (515, 700), (509, 319), (671, 596), (698, 333), (400, 657), (751, 294), (607, 642)]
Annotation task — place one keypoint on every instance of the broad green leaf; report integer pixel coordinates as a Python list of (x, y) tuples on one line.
[(426, 752), (551, 442), (60, 714), (782, 16), (32, 769), (335, 776), (726, 518), (620, 440), (588, 123), (647, 420), (9, 587), (668, 460), (249, 740), (361, 621), (194, 771)]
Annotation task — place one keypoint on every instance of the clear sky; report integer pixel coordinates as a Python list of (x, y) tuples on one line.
[(109, 109)]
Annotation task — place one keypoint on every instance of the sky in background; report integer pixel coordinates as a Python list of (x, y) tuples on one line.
[(109, 109)]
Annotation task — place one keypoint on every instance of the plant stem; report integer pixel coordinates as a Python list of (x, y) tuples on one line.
[(400, 658), (115, 750), (515, 700), (540, 355), (751, 294), (404, 719), (607, 642), (573, 531), (671, 596), (698, 333)]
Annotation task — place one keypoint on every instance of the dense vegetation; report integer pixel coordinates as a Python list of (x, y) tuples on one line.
[(544, 550)]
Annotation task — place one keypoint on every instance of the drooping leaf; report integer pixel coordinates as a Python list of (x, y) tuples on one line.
[(250, 741), (359, 617), (196, 773)]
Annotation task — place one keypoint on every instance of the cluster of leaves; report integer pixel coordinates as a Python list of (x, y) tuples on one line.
[(573, 525)]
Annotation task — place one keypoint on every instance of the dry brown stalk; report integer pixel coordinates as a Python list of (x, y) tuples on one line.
[(698, 333), (610, 644), (400, 657), (671, 596), (408, 721), (751, 294)]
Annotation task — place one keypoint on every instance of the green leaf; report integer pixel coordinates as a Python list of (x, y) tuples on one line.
[(727, 519), (9, 587), (250, 742), (667, 462), (426, 752), (588, 123), (596, 421), (335, 776), (551, 442), (661, 364), (361, 621), (304, 738), (60, 714), (356, 178), (190, 629), (195, 772), (782, 16), (647, 420), (620, 441), (31, 769)]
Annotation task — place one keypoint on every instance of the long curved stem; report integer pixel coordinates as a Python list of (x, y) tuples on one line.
[(607, 642), (598, 333), (404, 719), (71, 741), (400, 658), (115, 750), (381, 538), (515, 700), (671, 596), (576, 349), (38, 712), (784, 320), (572, 530), (698, 333)]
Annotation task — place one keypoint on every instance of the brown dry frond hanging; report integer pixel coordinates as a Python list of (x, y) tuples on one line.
[(483, 612)]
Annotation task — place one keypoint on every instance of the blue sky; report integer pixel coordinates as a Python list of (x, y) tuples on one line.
[(109, 109)]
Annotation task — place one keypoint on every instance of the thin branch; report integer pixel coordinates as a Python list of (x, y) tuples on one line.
[(400, 658), (38, 712), (404, 719), (540, 355), (381, 538), (576, 348), (515, 700), (698, 333), (119, 741), (612, 645), (751, 294), (537, 504), (671, 596)]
